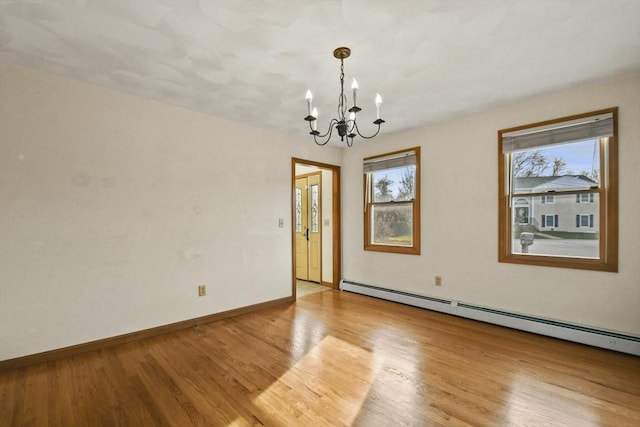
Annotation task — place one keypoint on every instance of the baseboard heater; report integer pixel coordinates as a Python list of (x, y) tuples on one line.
[(566, 331)]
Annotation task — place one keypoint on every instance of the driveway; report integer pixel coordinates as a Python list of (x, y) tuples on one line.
[(561, 247)]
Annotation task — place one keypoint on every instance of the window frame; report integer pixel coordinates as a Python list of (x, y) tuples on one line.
[(368, 203), (607, 195)]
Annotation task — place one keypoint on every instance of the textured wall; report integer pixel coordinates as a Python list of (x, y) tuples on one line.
[(254, 59)]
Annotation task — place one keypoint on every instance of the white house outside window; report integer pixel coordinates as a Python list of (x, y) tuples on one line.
[(565, 170)]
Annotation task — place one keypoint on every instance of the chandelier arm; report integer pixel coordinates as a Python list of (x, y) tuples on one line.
[(332, 123), (327, 134), (315, 139), (316, 133), (355, 125)]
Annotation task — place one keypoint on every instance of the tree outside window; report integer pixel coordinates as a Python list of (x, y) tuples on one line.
[(391, 202)]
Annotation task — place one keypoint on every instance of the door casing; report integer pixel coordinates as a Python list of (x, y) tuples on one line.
[(336, 222)]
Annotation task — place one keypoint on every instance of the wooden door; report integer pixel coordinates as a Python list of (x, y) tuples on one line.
[(308, 223), (302, 228)]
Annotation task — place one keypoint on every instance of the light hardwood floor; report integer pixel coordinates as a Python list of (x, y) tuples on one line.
[(304, 288), (331, 359)]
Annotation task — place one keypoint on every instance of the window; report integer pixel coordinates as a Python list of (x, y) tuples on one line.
[(550, 221), (584, 198), (521, 212), (298, 210), (550, 173), (584, 221), (314, 208), (392, 202)]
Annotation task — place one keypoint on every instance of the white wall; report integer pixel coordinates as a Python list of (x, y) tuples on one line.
[(114, 208), (460, 217)]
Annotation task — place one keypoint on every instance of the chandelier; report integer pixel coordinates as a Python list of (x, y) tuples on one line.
[(347, 126)]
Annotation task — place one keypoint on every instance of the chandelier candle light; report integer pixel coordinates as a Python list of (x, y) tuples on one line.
[(347, 126)]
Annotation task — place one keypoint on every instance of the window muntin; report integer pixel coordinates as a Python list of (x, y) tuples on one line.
[(391, 208), (575, 159)]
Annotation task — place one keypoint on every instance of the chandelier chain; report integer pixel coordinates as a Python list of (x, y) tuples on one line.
[(342, 108)]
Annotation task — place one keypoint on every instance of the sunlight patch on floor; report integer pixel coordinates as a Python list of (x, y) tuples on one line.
[(313, 378), (532, 402)]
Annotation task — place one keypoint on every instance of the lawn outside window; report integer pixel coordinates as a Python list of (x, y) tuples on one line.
[(392, 202), (558, 181)]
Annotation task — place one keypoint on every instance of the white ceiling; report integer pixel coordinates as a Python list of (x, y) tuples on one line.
[(253, 60)]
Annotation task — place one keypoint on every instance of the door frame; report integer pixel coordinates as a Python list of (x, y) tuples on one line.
[(336, 223)]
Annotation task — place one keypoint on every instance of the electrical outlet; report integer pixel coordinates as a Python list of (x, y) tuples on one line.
[(202, 290), (438, 280)]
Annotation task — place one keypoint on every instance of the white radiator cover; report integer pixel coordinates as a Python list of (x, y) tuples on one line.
[(566, 331)]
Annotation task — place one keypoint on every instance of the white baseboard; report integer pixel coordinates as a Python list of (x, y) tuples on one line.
[(566, 331)]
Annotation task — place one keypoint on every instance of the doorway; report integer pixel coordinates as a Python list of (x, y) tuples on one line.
[(316, 235)]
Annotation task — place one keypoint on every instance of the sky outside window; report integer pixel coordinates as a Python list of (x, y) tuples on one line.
[(581, 158)]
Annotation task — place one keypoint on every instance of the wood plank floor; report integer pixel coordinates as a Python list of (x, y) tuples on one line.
[(331, 359)]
